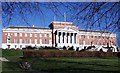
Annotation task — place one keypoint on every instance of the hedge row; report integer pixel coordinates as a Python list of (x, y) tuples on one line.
[(28, 54)]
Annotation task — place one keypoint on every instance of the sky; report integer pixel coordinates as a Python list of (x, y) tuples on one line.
[(42, 20)]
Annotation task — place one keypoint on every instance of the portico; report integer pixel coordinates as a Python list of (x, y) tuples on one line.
[(67, 38)]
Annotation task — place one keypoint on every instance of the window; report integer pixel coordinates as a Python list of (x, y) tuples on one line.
[(20, 34), (25, 34), (15, 34), (8, 39), (8, 34), (88, 43), (45, 35), (35, 41), (50, 35), (30, 35), (15, 40), (30, 41), (91, 36), (40, 41), (83, 36), (45, 41), (15, 46), (80, 36), (83, 42), (20, 40), (26, 41), (35, 35), (20, 46), (40, 35)]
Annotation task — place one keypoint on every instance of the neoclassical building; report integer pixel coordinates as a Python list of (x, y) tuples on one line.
[(58, 34)]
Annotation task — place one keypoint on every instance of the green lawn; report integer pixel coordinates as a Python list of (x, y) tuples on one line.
[(60, 64)]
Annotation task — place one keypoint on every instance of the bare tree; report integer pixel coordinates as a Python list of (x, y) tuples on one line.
[(103, 16)]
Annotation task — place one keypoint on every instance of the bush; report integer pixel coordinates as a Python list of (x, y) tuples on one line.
[(30, 47), (77, 49), (118, 54), (71, 48), (101, 50), (69, 54), (64, 48)]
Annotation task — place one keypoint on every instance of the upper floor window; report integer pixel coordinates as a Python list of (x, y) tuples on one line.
[(15, 34), (8, 34), (26, 41), (30, 41), (45, 35), (25, 34), (15, 40), (91, 36), (20, 34), (40, 41), (88, 36), (35, 35), (45, 41), (35, 41), (20, 40), (30, 35), (50, 35), (83, 36), (40, 35)]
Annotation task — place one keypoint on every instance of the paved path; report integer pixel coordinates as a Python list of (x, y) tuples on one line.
[(3, 59)]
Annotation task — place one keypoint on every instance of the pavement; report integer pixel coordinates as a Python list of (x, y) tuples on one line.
[(3, 59)]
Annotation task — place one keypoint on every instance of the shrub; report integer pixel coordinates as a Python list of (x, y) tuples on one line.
[(30, 47), (64, 48), (69, 54), (77, 49), (101, 50), (71, 48), (118, 54)]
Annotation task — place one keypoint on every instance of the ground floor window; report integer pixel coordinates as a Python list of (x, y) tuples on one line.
[(15, 46), (8, 46), (20, 46)]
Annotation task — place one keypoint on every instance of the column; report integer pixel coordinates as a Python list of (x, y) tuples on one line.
[(65, 38), (61, 38), (57, 38), (73, 38), (68, 38)]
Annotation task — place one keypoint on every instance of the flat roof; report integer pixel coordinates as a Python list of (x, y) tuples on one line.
[(28, 27)]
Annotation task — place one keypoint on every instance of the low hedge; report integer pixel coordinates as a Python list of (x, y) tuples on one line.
[(28, 54)]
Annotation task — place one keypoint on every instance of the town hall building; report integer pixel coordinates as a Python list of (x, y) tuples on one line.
[(58, 34)]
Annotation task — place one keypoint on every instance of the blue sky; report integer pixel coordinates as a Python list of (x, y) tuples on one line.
[(43, 20)]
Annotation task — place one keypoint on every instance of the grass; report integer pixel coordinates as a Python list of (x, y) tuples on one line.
[(60, 64)]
